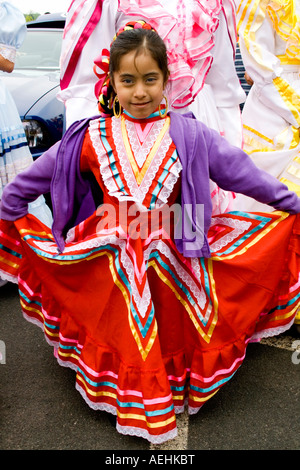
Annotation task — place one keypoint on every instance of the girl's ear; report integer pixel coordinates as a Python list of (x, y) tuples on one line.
[(167, 79), (111, 80)]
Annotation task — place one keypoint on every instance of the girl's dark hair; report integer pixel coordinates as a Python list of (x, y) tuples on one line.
[(134, 36), (139, 40)]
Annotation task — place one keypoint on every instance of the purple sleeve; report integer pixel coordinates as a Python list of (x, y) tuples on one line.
[(28, 185)]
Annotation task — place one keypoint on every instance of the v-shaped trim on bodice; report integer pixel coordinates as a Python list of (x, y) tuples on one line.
[(140, 156)]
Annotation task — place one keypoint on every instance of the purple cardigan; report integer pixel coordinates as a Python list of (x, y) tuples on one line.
[(203, 153)]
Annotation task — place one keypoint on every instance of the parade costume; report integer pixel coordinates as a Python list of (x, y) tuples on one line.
[(155, 322), (269, 35)]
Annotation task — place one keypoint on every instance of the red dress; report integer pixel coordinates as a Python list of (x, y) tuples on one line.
[(146, 330)]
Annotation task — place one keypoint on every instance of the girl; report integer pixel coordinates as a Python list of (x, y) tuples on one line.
[(152, 306)]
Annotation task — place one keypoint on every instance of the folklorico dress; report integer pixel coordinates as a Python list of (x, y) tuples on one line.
[(147, 330), (269, 34)]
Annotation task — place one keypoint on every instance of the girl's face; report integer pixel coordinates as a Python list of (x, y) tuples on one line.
[(139, 84)]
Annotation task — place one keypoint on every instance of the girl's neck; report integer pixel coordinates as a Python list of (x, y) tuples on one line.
[(152, 117)]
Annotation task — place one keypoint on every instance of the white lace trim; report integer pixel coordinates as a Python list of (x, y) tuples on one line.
[(194, 411), (184, 275), (130, 431), (271, 332), (141, 151), (168, 184), (127, 430), (239, 227), (8, 52), (139, 192), (135, 274), (8, 277), (104, 162)]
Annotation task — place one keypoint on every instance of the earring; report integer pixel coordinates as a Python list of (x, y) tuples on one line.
[(116, 101), (163, 115)]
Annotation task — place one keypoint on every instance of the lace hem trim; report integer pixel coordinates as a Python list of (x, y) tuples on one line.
[(130, 431), (270, 332), (8, 277), (8, 52)]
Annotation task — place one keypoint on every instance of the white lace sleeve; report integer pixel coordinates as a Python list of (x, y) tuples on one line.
[(8, 52)]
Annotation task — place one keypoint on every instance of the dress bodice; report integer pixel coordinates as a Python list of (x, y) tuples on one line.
[(133, 160)]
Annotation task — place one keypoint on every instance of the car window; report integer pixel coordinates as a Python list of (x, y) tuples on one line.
[(40, 50)]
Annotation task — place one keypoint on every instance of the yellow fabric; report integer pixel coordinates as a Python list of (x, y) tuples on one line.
[(287, 25)]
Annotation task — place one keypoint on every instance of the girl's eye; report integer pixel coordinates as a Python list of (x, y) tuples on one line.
[(127, 81)]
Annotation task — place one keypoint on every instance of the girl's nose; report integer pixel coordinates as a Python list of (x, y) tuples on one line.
[(139, 90)]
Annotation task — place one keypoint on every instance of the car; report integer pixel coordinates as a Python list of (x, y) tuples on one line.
[(34, 83), (49, 20)]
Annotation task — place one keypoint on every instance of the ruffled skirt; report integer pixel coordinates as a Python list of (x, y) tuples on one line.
[(147, 331)]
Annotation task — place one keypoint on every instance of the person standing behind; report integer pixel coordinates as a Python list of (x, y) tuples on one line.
[(269, 34), (245, 80), (15, 155)]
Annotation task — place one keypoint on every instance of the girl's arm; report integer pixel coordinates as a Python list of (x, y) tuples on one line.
[(28, 186)]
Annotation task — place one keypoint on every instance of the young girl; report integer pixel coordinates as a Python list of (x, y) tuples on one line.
[(152, 306)]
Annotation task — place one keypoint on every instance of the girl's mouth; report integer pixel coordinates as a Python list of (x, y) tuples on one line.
[(140, 105)]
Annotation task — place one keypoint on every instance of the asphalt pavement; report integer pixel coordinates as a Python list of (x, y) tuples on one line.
[(41, 410)]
